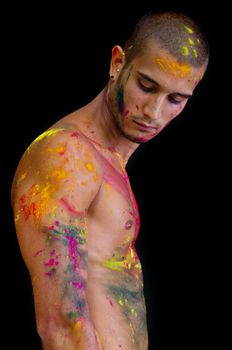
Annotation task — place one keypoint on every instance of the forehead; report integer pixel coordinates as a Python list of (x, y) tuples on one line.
[(159, 63)]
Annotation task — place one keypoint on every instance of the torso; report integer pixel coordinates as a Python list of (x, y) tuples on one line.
[(115, 282)]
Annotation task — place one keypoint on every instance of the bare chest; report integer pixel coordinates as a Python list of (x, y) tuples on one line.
[(114, 217)]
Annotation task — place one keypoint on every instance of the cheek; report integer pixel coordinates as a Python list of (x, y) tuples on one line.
[(177, 110), (133, 102)]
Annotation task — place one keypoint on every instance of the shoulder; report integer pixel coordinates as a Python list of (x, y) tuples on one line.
[(60, 155)]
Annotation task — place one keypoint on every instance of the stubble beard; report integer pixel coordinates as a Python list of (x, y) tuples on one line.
[(116, 115)]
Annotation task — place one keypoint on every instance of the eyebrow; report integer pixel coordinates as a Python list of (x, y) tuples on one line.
[(146, 77)]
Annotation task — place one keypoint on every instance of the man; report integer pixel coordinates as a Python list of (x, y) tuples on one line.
[(75, 214)]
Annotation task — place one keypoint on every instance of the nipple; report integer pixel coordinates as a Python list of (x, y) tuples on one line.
[(128, 224)]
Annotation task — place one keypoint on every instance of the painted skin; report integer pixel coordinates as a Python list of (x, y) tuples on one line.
[(76, 216)]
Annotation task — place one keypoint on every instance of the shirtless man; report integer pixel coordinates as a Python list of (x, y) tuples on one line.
[(75, 214)]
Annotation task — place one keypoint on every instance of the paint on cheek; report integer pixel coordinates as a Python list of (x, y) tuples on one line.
[(120, 99), (125, 114)]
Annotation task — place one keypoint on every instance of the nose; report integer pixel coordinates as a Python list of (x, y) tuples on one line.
[(153, 108)]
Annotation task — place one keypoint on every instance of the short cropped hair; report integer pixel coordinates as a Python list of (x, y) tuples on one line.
[(174, 32)]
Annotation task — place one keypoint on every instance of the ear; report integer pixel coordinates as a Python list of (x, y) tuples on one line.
[(117, 60)]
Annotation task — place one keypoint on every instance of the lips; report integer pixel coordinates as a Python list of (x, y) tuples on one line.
[(145, 126)]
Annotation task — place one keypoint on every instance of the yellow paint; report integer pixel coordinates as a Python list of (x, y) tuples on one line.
[(50, 132), (77, 330), (185, 50), (114, 264), (89, 166), (134, 312), (120, 301), (17, 217), (95, 177), (58, 173), (119, 264), (191, 42), (60, 149), (195, 53), (107, 187), (22, 177), (189, 30), (173, 67)]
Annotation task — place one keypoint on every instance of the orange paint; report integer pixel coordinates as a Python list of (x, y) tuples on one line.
[(173, 67)]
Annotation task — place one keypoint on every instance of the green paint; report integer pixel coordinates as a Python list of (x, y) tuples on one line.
[(72, 315), (120, 98)]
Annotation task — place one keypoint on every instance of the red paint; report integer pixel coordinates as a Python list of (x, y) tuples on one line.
[(126, 113), (75, 134)]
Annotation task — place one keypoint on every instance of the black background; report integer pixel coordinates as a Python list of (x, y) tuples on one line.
[(56, 59)]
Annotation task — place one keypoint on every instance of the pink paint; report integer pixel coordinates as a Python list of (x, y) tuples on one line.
[(52, 252), (48, 273), (78, 285), (72, 251), (70, 208), (39, 252), (110, 301), (50, 262)]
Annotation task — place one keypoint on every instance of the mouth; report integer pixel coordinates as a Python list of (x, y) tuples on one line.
[(145, 127)]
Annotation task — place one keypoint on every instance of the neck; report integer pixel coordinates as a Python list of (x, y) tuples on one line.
[(99, 126)]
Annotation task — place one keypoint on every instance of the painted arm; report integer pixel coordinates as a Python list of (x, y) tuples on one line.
[(55, 183)]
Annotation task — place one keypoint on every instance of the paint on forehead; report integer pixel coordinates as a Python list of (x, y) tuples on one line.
[(120, 99), (173, 67), (185, 50), (191, 42), (188, 29), (195, 53)]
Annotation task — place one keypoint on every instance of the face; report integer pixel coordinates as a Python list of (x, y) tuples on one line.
[(149, 93)]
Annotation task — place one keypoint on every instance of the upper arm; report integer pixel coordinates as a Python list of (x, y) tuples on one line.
[(56, 181)]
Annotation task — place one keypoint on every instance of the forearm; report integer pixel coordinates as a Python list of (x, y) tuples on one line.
[(80, 336)]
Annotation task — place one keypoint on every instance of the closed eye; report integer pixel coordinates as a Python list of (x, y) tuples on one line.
[(173, 100), (145, 87)]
